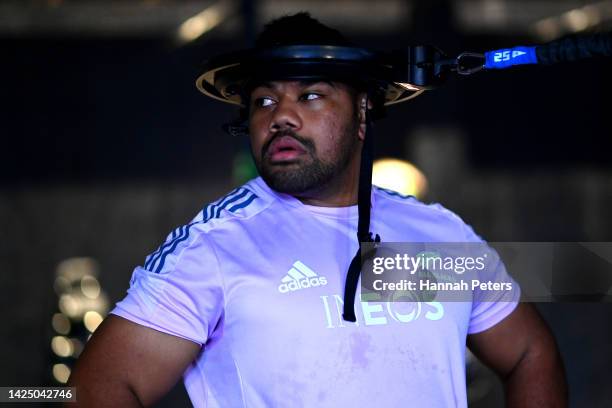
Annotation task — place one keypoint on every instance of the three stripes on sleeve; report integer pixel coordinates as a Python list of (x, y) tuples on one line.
[(236, 200)]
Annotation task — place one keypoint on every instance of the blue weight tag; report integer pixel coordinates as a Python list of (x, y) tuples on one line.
[(508, 57)]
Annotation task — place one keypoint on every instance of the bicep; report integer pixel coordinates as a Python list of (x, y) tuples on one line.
[(124, 356), (506, 344)]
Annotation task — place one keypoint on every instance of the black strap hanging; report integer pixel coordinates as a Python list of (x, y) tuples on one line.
[(363, 227)]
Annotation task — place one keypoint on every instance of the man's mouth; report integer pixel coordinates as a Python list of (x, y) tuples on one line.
[(284, 149)]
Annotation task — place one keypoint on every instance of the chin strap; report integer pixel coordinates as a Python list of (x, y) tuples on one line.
[(363, 228)]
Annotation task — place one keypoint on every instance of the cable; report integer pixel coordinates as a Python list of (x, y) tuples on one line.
[(568, 49), (575, 48)]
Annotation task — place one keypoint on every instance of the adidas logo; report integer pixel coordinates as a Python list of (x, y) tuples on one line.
[(300, 277)]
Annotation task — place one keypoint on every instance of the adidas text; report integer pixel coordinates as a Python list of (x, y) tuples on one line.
[(302, 284)]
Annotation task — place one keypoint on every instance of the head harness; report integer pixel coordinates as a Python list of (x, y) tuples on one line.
[(228, 76)]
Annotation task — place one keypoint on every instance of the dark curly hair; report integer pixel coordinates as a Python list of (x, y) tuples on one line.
[(300, 29)]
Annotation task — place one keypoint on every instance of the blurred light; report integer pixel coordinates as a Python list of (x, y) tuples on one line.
[(92, 320), (77, 347), (594, 13), (202, 22), (99, 304), (494, 11), (61, 285), (70, 306), (60, 323), (400, 176), (573, 21), (548, 29), (576, 20), (90, 287), (62, 346), (73, 269), (61, 373)]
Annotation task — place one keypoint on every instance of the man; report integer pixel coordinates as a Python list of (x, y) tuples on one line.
[(245, 301)]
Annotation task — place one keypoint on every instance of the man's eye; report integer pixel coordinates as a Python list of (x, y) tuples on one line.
[(309, 96), (263, 101)]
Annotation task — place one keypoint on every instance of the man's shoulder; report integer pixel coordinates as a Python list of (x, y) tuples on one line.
[(238, 205), (433, 218), (227, 213), (408, 203)]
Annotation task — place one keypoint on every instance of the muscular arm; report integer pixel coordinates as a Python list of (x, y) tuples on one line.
[(522, 351), (129, 365)]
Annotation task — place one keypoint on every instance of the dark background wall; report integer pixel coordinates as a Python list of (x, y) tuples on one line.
[(106, 145)]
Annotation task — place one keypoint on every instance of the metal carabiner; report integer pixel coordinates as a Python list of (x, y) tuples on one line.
[(467, 69)]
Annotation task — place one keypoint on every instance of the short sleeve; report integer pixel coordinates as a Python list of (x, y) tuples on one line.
[(489, 307), (180, 293)]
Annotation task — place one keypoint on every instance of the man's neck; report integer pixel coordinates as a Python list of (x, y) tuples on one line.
[(335, 199), (342, 191)]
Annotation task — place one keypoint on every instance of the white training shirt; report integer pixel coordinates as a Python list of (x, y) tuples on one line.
[(222, 281)]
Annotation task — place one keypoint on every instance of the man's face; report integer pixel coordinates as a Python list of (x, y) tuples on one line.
[(303, 134)]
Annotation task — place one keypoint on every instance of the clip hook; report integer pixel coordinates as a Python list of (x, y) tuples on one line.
[(464, 68)]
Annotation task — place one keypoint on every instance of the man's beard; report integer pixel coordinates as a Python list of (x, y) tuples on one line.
[(315, 173)]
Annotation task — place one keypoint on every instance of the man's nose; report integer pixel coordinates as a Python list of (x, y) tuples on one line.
[(286, 115)]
